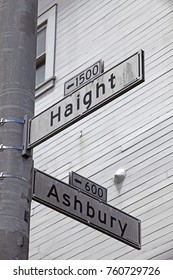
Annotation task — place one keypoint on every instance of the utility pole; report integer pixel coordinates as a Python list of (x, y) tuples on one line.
[(18, 20)]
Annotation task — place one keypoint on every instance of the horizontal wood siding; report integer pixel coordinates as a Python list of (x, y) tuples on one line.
[(134, 132)]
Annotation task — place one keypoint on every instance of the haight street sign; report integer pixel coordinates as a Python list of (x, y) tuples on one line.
[(89, 98), (86, 209), (87, 186)]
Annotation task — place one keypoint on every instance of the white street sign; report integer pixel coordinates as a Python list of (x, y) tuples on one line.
[(87, 186), (86, 209), (89, 98)]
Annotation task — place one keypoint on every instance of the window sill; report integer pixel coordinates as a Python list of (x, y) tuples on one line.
[(45, 86)]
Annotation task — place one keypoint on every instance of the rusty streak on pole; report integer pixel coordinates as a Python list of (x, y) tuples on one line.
[(18, 20)]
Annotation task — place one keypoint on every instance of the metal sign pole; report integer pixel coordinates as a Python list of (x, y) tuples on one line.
[(18, 21)]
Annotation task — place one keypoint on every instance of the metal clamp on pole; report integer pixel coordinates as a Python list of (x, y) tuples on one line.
[(2, 121), (6, 175), (24, 147), (3, 147)]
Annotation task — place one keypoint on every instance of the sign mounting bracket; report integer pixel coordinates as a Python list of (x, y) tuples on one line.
[(26, 152)]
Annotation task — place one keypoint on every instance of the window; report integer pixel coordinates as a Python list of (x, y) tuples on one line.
[(41, 55), (45, 56)]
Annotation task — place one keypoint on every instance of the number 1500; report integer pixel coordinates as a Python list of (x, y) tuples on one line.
[(88, 74)]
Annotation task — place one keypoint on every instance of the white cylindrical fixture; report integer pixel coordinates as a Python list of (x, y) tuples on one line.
[(119, 176)]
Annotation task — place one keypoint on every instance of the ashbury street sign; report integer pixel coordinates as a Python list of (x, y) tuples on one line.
[(86, 209), (89, 98)]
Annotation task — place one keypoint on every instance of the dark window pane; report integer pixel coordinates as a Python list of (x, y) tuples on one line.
[(40, 74), (41, 41)]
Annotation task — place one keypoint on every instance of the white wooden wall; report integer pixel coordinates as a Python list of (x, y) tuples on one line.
[(134, 132)]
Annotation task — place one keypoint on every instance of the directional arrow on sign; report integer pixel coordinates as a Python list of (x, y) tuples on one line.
[(77, 181), (70, 85)]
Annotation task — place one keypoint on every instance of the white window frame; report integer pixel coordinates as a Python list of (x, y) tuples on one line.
[(48, 17)]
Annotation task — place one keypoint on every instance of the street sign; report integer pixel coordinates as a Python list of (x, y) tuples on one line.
[(83, 78), (89, 98), (86, 209), (87, 186)]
